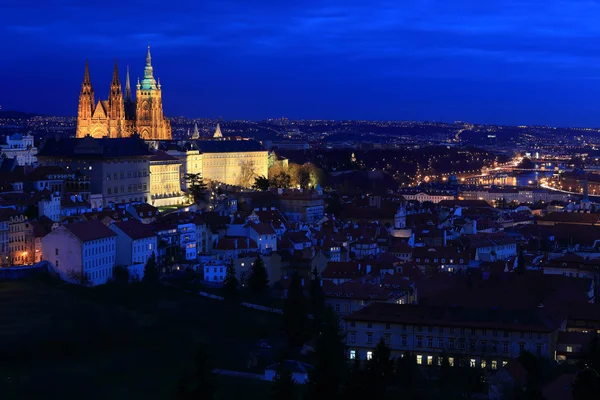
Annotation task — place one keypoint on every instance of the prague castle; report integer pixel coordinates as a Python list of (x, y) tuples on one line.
[(121, 116)]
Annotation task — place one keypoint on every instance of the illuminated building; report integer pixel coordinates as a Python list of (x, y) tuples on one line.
[(165, 188), (20, 148), (121, 116)]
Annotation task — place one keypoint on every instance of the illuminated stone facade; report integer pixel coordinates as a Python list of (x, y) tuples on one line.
[(121, 116), (165, 184), (233, 162)]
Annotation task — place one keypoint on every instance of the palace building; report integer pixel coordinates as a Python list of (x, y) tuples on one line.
[(121, 116)]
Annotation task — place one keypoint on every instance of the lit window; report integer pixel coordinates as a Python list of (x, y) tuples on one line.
[(569, 349), (419, 359), (352, 354), (429, 360), (482, 363), (494, 364), (472, 363), (451, 361), (370, 355)]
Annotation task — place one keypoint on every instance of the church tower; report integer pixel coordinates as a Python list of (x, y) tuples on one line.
[(116, 106), (86, 104), (150, 121)]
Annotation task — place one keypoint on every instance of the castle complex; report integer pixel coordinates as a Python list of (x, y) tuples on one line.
[(121, 116)]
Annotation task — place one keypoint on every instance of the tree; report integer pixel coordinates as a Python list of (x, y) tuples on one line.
[(258, 280), (282, 180), (230, 286), (79, 277), (247, 173), (303, 177), (380, 370), (283, 386), (120, 274), (202, 383), (150, 270), (295, 320), (316, 300), (261, 183), (196, 187), (520, 262), (408, 374), (326, 378), (355, 386), (587, 384), (526, 163)]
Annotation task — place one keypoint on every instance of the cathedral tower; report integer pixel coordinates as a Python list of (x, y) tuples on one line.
[(150, 121), (116, 106), (86, 103), (120, 115)]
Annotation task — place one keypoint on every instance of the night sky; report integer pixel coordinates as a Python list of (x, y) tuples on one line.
[(505, 61)]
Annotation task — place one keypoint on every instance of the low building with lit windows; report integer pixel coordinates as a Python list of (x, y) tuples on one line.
[(478, 337), (82, 252)]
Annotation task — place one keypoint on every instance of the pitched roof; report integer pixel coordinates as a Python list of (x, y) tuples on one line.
[(263, 228), (94, 148), (228, 146), (90, 230), (135, 229), (536, 320), (160, 155)]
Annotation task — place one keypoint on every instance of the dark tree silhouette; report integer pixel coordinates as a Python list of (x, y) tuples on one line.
[(258, 280), (230, 286), (295, 319), (261, 183), (196, 187), (326, 379), (151, 270)]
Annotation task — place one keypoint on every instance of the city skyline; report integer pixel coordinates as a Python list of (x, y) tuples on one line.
[(522, 62)]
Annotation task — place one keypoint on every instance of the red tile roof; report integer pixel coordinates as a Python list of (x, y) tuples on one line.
[(90, 230), (135, 229)]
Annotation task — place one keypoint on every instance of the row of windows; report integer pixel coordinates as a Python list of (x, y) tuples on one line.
[(462, 330), (451, 344), (130, 188), (130, 174), (429, 360), (103, 273), (99, 261), (443, 260), (95, 250)]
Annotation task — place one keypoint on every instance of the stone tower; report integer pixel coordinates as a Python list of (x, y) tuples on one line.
[(120, 115), (86, 103), (116, 106), (150, 121)]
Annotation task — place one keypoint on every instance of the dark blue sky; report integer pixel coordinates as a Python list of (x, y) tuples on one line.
[(508, 61)]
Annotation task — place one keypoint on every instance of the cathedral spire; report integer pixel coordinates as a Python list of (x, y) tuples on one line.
[(196, 134), (218, 133), (115, 78), (127, 86), (148, 83), (86, 74)]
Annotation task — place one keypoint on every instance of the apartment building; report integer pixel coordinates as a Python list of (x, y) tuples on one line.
[(118, 169), (82, 252), (482, 338)]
